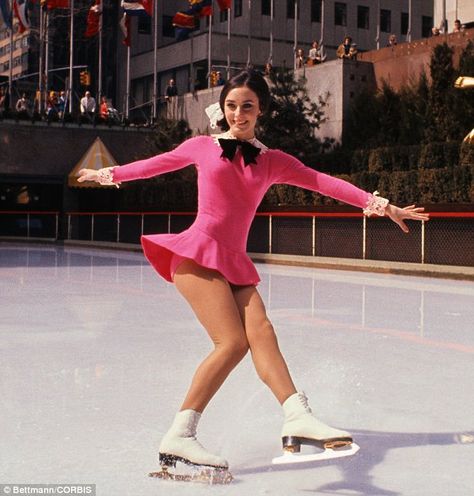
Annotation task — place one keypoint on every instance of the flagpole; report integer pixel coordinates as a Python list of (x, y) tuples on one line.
[(99, 82), (228, 42), (10, 72), (127, 92), (295, 41), (270, 56), (409, 21), (209, 53), (71, 56), (323, 13), (249, 34), (46, 56), (155, 59), (377, 39), (40, 62)]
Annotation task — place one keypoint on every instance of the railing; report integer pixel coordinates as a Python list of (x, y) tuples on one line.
[(30, 224), (448, 238)]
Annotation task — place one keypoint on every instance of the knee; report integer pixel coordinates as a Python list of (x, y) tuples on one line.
[(261, 332), (235, 349)]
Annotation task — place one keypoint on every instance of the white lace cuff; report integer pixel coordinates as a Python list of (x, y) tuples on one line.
[(214, 112), (375, 205), (106, 177)]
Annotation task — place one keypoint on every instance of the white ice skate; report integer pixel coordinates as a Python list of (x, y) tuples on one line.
[(195, 463), (302, 428)]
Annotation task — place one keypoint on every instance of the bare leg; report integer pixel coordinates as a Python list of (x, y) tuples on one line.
[(212, 300), (269, 362)]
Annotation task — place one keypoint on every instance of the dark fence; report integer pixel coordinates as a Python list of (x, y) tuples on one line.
[(448, 238)]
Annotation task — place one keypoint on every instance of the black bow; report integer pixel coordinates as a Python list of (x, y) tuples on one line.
[(229, 147)]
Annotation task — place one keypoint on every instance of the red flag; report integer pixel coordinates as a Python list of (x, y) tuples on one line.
[(183, 20), (148, 6), (93, 20), (56, 4), (21, 11), (224, 4), (125, 26)]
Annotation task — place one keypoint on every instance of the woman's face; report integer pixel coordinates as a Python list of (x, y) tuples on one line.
[(241, 109)]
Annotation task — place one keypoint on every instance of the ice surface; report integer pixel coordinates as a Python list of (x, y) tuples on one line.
[(96, 353)]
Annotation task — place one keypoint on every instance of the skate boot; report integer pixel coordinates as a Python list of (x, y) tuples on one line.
[(302, 428), (180, 445)]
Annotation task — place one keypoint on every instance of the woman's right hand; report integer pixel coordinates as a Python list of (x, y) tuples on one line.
[(87, 175)]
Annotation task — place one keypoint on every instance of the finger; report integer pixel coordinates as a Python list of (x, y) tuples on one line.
[(403, 226)]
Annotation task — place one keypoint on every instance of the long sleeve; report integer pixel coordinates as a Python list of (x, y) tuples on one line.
[(180, 157), (289, 170)]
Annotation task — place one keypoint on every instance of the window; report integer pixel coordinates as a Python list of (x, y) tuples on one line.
[(237, 8), (404, 23), (267, 7), (290, 9), (385, 21), (340, 14), (167, 28), (363, 17), (223, 15), (144, 24), (25, 41), (426, 25), (315, 10)]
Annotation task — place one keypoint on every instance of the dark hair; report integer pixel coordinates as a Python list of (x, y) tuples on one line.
[(252, 80)]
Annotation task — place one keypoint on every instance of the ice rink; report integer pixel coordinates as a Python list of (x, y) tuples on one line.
[(97, 351)]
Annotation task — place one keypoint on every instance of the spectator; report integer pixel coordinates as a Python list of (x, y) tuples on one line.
[(171, 90), (347, 49), (52, 106), (2, 100), (22, 106), (392, 40), (220, 79), (104, 109), (88, 105), (316, 54), (300, 59), (435, 31), (268, 69), (61, 104), (458, 27)]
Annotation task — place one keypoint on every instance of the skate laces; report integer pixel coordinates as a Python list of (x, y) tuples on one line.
[(304, 401)]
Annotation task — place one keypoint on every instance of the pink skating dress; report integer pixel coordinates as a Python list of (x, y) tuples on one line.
[(228, 196)]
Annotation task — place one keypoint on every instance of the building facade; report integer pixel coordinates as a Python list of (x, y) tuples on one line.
[(257, 37)]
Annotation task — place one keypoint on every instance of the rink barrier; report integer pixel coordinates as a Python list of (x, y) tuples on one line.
[(448, 238)]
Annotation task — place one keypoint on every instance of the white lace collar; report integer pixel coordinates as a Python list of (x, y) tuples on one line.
[(228, 135)]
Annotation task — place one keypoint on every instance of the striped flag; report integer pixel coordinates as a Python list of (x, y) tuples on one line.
[(6, 13), (202, 8), (93, 20), (125, 27), (138, 8), (21, 11)]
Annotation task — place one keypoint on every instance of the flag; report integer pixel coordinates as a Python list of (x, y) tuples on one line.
[(224, 4), (93, 20), (125, 27), (141, 7), (21, 11), (6, 13), (55, 4), (202, 8), (184, 20)]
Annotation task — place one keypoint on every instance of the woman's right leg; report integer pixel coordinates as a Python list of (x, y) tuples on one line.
[(212, 300)]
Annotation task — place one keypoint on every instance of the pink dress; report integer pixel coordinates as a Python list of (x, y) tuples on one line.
[(228, 196)]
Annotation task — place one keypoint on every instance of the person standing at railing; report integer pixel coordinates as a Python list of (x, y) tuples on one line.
[(210, 268)]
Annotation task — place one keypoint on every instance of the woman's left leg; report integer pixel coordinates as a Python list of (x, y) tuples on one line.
[(300, 426)]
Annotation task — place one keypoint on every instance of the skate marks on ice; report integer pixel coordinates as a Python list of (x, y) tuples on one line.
[(326, 454), (357, 470), (181, 470)]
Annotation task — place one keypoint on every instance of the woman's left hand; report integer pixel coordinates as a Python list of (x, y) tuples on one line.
[(399, 215)]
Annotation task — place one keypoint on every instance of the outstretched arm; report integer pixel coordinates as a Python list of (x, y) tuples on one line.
[(292, 171), (180, 157)]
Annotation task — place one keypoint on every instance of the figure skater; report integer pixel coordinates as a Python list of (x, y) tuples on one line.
[(209, 266)]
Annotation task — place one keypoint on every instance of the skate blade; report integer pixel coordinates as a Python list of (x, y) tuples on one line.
[(208, 476), (327, 454)]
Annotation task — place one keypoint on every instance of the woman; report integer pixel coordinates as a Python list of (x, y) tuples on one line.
[(316, 54), (210, 268)]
